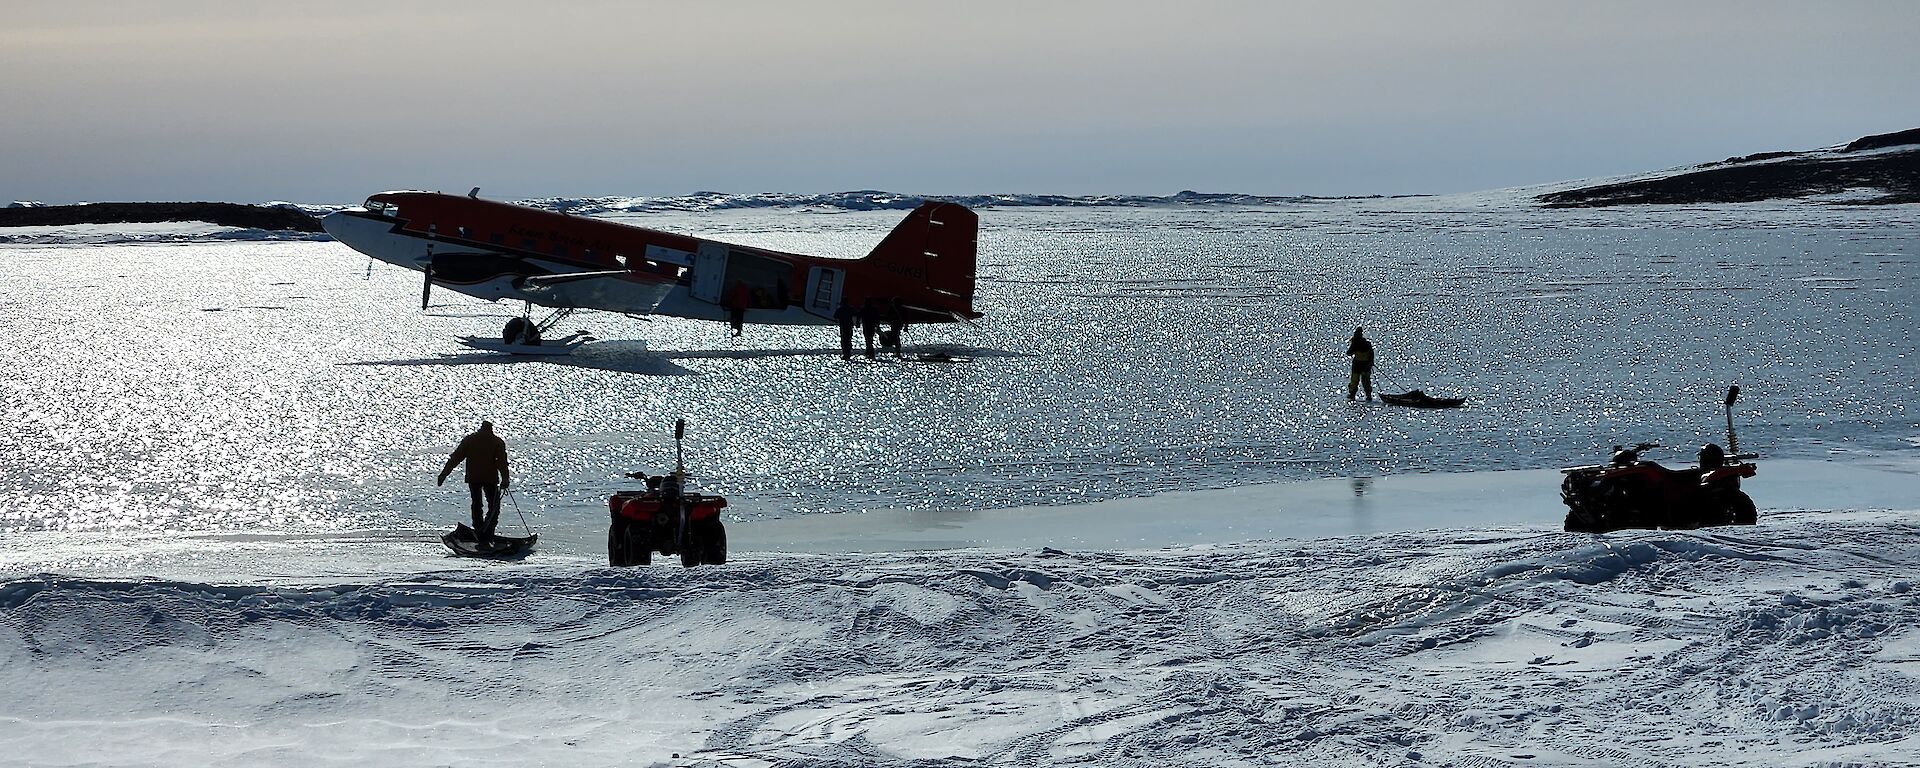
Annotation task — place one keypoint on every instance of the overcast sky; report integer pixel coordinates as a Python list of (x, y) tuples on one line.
[(326, 102)]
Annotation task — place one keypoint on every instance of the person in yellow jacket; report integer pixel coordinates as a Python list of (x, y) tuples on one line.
[(1361, 351), (486, 457)]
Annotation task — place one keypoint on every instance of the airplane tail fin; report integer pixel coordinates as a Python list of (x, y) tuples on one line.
[(927, 262)]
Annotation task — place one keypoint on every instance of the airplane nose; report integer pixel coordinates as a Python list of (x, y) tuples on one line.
[(332, 223)]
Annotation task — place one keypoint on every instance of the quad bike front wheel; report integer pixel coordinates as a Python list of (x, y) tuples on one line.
[(1741, 510)]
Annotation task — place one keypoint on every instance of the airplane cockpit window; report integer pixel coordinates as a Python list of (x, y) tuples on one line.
[(379, 208)]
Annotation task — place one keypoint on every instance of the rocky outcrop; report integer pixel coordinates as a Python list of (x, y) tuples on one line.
[(1886, 177), (269, 218), (1884, 140)]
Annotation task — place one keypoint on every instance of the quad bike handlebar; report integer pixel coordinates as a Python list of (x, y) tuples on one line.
[(1640, 448)]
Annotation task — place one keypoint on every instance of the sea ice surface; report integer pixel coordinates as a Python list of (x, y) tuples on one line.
[(288, 387), (1141, 528)]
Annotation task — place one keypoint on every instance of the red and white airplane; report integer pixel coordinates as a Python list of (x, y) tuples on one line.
[(495, 250)]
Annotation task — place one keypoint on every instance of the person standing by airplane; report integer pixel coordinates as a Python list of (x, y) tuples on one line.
[(845, 316), (1361, 350), (897, 326), (869, 323), (486, 457), (737, 306)]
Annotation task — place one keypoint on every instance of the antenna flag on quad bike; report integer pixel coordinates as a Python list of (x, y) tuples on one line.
[(679, 451), (1733, 443)]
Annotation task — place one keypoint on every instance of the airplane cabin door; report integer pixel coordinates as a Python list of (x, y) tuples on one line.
[(709, 272), (823, 290)]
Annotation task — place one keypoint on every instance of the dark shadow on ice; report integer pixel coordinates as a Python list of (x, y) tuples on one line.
[(635, 357), (494, 316), (615, 356), (747, 354), (513, 558), (858, 351)]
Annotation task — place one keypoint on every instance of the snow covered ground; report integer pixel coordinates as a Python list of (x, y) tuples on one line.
[(1789, 643), (1141, 528)]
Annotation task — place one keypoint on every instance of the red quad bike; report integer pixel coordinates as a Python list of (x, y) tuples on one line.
[(1631, 493), (666, 518)]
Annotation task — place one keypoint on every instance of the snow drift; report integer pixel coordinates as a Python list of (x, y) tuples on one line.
[(1792, 643)]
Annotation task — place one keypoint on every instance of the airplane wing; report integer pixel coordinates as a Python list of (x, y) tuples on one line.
[(957, 317), (500, 276), (536, 282), (604, 290)]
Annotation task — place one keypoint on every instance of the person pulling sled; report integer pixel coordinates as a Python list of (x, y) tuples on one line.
[(1361, 350), (485, 455)]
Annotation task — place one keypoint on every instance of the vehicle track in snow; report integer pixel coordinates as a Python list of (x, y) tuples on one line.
[(1733, 647)]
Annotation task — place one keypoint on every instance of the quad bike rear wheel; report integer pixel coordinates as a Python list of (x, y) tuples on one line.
[(713, 537), (690, 544), (615, 541), (1582, 517), (627, 542)]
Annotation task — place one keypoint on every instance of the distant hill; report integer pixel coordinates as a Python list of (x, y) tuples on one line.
[(1879, 169), (271, 218)]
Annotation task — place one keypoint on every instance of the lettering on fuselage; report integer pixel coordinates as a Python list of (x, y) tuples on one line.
[(555, 236), (902, 269)]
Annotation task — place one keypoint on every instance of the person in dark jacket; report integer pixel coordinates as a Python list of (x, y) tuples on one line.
[(869, 323), (845, 316), (737, 306), (896, 326), (486, 457), (1361, 351)]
